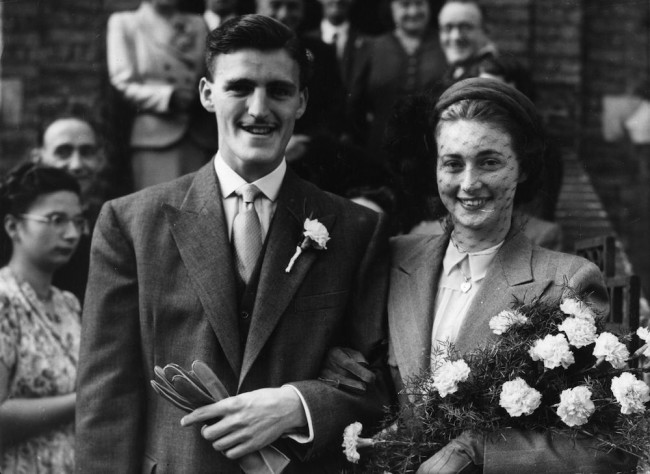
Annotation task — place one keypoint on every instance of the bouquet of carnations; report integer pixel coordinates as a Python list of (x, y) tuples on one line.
[(552, 366)]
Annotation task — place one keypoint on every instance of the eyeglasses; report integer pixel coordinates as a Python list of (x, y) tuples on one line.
[(65, 151), (60, 222), (463, 28)]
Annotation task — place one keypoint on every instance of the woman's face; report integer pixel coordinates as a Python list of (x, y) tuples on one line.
[(477, 173), (47, 245), (411, 16)]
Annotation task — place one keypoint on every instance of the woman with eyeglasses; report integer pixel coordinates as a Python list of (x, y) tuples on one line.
[(39, 324)]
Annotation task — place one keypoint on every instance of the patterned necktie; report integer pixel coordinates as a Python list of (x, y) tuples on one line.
[(247, 232)]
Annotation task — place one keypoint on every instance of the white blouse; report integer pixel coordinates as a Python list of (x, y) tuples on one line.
[(460, 271)]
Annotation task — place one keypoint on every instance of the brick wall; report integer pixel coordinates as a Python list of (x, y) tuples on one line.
[(52, 59)]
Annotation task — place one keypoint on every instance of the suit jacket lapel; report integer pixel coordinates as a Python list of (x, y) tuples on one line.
[(276, 287), (509, 278), (411, 305), (200, 231)]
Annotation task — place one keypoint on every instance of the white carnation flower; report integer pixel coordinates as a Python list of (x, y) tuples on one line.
[(611, 349), (505, 319), (575, 406), (553, 351), (577, 308), (350, 440), (317, 232), (644, 334), (448, 375), (518, 398), (631, 393), (581, 332)]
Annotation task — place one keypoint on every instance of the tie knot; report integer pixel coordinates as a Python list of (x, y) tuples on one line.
[(248, 192)]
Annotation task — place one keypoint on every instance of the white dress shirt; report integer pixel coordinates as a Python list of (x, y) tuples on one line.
[(452, 303), (329, 32), (265, 205)]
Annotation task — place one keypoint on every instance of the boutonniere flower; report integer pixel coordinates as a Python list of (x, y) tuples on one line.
[(315, 236)]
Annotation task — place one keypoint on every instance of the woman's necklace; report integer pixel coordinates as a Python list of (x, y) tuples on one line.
[(466, 285)]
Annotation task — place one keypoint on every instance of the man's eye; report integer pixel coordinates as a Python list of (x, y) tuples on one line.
[(280, 92), (64, 151)]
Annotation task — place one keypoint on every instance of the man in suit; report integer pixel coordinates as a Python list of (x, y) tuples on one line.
[(71, 143), (336, 30), (190, 270), (463, 39)]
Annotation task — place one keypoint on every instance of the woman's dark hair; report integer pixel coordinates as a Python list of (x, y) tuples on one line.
[(499, 105), (20, 189), (261, 33)]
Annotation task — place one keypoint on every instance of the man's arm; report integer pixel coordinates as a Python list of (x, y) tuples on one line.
[(111, 395)]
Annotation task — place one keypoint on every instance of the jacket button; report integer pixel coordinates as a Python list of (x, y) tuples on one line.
[(244, 315)]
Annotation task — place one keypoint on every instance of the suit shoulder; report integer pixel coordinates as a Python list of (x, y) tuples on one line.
[(153, 197), (560, 263), (405, 247)]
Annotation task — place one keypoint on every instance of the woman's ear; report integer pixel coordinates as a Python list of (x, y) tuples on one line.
[(523, 176), (11, 226)]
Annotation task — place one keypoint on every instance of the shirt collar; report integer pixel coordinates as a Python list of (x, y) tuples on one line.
[(229, 180), (328, 30), (478, 261)]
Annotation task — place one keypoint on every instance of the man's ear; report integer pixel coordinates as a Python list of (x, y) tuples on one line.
[(205, 94), (35, 155), (304, 97)]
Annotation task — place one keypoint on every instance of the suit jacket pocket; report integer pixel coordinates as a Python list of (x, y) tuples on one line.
[(333, 299), (148, 465)]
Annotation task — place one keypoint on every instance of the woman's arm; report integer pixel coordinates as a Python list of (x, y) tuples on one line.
[(24, 418)]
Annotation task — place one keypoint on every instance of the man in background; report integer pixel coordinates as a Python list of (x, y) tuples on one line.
[(70, 142)]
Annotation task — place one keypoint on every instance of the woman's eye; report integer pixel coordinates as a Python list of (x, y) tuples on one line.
[(452, 165)]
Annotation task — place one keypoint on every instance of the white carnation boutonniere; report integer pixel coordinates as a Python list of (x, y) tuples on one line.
[(315, 235)]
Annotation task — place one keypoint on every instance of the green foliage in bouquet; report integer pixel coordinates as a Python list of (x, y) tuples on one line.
[(552, 366)]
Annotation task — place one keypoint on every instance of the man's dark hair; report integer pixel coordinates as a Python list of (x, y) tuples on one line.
[(257, 32)]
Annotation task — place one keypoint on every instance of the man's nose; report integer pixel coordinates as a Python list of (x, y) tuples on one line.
[(75, 163), (258, 104)]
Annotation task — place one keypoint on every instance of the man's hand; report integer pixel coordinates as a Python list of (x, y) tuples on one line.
[(250, 421)]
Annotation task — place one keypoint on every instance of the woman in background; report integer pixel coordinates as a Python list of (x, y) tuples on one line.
[(39, 324)]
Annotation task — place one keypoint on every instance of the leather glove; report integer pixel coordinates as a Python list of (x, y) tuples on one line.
[(463, 454), (346, 369), (189, 390)]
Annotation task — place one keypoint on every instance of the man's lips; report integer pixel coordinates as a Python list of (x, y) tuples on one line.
[(259, 128)]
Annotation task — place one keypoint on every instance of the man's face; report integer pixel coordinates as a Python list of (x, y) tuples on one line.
[(221, 7), (461, 31), (411, 16), (336, 11), (71, 144), (289, 12), (256, 98)]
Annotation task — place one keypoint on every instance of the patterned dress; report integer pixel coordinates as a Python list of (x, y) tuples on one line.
[(40, 350)]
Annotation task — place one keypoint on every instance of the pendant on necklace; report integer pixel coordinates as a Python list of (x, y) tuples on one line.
[(466, 285)]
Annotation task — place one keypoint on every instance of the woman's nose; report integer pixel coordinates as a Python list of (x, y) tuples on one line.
[(470, 180)]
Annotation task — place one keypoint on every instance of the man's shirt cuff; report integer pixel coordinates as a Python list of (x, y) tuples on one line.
[(301, 438)]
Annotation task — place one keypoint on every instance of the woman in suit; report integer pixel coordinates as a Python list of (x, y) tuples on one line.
[(155, 61), (489, 143)]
